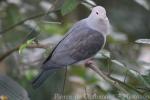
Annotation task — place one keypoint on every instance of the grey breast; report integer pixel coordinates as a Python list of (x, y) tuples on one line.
[(80, 43)]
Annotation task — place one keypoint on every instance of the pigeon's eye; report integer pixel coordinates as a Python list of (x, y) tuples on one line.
[(97, 13)]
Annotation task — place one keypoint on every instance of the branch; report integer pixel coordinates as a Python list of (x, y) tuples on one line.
[(51, 9), (113, 81), (38, 46), (64, 83), (21, 22), (5, 55), (128, 86)]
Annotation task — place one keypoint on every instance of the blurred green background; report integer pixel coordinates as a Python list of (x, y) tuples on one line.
[(126, 56)]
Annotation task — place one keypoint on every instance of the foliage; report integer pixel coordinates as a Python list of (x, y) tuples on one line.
[(25, 45)]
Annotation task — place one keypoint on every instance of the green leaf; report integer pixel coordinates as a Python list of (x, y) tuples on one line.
[(30, 41), (104, 54), (144, 80), (143, 41), (147, 78), (118, 63), (23, 46), (68, 6)]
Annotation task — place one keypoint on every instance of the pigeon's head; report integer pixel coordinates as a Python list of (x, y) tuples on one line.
[(98, 12), (98, 20)]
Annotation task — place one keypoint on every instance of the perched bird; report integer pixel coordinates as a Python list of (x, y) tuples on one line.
[(81, 42)]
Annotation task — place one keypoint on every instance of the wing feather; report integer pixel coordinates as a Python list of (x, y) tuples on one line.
[(80, 43), (69, 32)]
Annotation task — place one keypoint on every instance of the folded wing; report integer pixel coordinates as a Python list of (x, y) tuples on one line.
[(80, 43)]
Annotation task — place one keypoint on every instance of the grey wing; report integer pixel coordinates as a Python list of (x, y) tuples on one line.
[(88, 46), (81, 43), (74, 28)]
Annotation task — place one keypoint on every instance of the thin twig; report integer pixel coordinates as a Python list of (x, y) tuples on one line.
[(6, 54), (125, 76), (86, 95), (21, 22), (113, 81), (96, 69), (109, 68), (63, 89), (128, 86), (145, 90)]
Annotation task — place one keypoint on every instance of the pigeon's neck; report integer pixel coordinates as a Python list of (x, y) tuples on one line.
[(98, 25)]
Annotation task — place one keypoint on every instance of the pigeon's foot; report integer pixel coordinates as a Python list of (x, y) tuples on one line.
[(88, 62)]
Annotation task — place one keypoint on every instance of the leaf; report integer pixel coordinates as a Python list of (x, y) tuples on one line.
[(23, 46), (147, 78), (11, 89), (143, 3), (30, 41), (104, 54), (143, 41), (89, 3), (68, 6), (133, 72), (144, 80), (118, 63)]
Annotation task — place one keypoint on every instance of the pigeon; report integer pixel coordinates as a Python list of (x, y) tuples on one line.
[(81, 42)]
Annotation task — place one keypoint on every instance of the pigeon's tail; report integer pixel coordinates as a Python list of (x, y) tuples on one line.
[(38, 81)]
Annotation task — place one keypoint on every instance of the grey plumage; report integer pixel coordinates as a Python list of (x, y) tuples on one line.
[(82, 41)]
